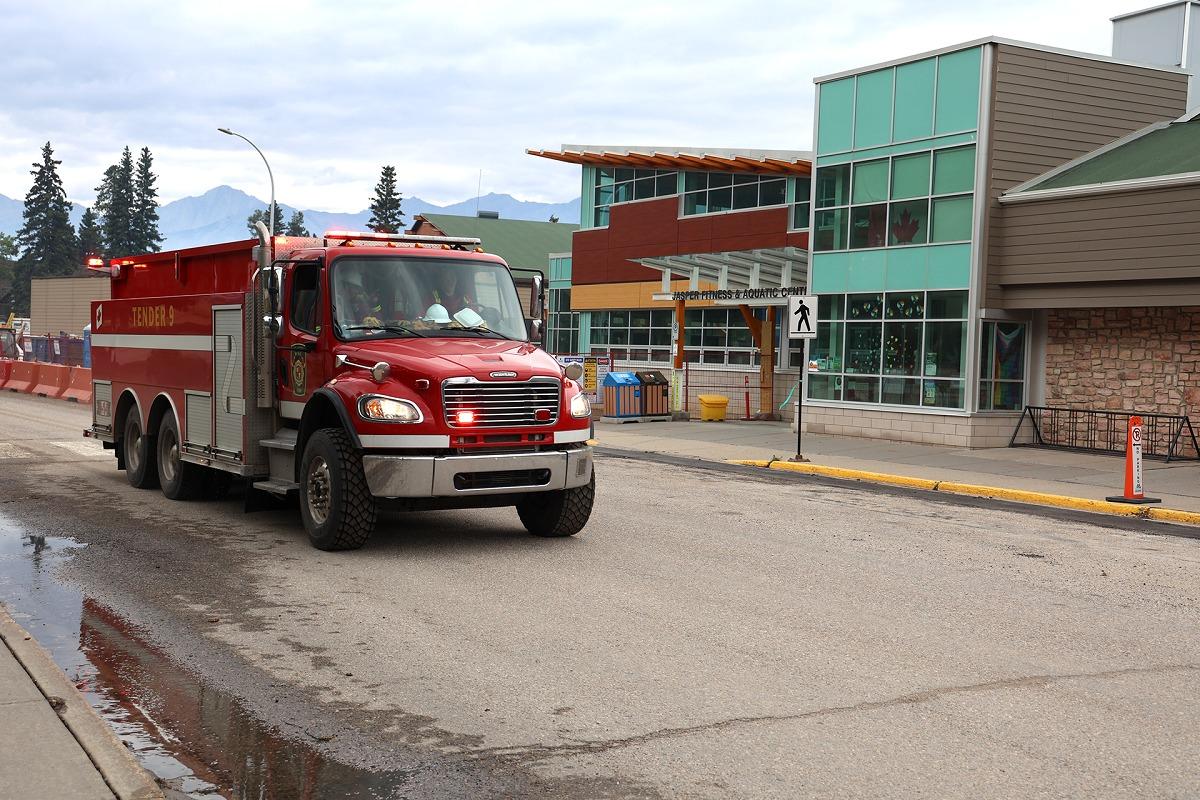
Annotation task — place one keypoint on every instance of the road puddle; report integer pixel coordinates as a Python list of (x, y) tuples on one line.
[(193, 736)]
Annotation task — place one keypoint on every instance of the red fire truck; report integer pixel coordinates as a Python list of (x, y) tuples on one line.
[(358, 371)]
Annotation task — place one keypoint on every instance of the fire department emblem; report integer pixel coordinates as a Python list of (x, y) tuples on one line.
[(299, 374), (99, 316)]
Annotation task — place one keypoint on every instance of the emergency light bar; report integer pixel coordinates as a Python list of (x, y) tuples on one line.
[(455, 242)]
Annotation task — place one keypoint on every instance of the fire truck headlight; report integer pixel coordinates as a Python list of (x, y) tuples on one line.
[(580, 406), (377, 408)]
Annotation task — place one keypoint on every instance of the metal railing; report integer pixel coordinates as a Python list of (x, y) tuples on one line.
[(1165, 436)]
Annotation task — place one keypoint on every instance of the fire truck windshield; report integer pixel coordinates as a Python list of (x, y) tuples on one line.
[(383, 297)]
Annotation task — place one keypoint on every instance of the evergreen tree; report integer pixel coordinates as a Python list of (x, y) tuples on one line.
[(91, 239), (115, 205), (46, 239), (8, 265), (295, 226), (386, 214), (264, 216), (144, 222)]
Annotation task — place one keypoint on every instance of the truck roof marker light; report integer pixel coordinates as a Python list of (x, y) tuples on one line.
[(464, 418)]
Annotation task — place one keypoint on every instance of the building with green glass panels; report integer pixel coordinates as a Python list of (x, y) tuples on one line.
[(918, 338)]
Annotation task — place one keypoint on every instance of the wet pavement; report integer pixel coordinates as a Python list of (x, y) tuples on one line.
[(193, 737)]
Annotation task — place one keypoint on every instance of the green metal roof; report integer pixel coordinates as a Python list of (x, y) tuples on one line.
[(523, 244), (1160, 150)]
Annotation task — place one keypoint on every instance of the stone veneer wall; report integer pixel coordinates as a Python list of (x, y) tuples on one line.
[(983, 430), (1125, 359)]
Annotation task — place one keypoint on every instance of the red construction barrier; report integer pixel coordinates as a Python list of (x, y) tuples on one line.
[(51, 380), (24, 376), (5, 370), (79, 385)]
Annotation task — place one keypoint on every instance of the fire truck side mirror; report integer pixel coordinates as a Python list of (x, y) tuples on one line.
[(271, 324), (537, 296), (535, 331)]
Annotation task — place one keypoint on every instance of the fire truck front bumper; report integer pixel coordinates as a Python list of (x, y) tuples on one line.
[(494, 473)]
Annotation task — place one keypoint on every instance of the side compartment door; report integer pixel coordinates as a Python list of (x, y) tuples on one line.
[(229, 397), (300, 365)]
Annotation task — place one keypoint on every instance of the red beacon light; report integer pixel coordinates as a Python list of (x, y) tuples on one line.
[(464, 418)]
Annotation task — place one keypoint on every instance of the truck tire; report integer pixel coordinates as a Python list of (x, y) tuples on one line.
[(140, 454), (179, 479), (337, 507), (562, 513)]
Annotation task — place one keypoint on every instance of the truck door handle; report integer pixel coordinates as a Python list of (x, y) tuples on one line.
[(303, 347)]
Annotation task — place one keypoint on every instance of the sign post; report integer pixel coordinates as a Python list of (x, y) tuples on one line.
[(802, 326), (1134, 491)]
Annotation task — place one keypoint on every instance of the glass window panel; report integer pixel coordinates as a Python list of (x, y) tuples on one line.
[(745, 196), (619, 354), (947, 305), (829, 229), (639, 355), (826, 349), (942, 394), (772, 192), (909, 222), (801, 218), (599, 335), (739, 180), (714, 357), (695, 203), (985, 395), (901, 391), (986, 347), (639, 319), (692, 317), (944, 349), (604, 175), (868, 226), (661, 319), (873, 109), (739, 358), (952, 219), (719, 179), (695, 180), (831, 306), (956, 106), (1010, 350), (914, 100), (599, 319), (665, 184), (623, 192), (910, 176), (740, 337), (871, 181), (954, 170), (618, 319), (691, 337), (618, 336), (604, 195), (1008, 395), (720, 200), (643, 188), (863, 347), (714, 337), (717, 317), (691, 356), (639, 336), (864, 306), (860, 390), (905, 305), (825, 387), (835, 123), (833, 186), (624, 174), (660, 356), (601, 217), (660, 336), (901, 348)]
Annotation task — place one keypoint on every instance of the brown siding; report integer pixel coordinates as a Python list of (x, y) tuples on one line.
[(1048, 108), (63, 304), (1121, 249)]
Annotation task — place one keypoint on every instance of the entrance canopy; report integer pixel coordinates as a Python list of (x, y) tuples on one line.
[(762, 277)]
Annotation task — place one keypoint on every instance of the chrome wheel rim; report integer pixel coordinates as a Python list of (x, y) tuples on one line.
[(169, 457), (317, 488), (133, 456)]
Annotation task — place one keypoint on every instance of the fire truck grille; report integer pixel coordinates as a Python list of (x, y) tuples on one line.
[(501, 404)]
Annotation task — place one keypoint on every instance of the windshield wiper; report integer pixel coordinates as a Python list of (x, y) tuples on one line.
[(389, 328), (484, 331)]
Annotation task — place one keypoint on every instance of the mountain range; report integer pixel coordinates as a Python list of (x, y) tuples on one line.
[(219, 215)]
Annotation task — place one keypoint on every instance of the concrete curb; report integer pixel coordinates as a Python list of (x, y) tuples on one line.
[(991, 492), (127, 779)]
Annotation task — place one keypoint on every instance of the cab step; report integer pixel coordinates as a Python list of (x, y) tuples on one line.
[(276, 487)]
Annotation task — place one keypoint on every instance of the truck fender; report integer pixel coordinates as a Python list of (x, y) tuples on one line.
[(322, 408)]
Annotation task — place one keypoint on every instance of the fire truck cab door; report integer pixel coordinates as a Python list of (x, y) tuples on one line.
[(301, 365)]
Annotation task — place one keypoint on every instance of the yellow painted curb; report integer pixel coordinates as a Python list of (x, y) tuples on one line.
[(974, 490)]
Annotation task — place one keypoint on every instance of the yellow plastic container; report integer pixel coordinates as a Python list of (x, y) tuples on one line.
[(713, 407)]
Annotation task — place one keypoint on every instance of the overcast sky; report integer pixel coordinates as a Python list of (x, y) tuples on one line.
[(333, 90)]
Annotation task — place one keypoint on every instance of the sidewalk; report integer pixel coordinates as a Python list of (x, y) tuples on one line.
[(52, 744), (1081, 475)]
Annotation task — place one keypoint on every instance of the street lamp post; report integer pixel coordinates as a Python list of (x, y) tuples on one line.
[(271, 220)]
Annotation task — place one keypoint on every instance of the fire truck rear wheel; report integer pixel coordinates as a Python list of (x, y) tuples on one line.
[(337, 507), (140, 454), (562, 513), (179, 479)]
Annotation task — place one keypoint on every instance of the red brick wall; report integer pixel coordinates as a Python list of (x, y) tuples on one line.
[(1127, 359)]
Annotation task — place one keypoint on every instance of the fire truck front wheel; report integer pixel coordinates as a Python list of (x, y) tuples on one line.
[(561, 513), (336, 504), (179, 479), (139, 451)]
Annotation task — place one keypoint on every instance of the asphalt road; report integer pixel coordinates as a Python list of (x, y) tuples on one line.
[(709, 635)]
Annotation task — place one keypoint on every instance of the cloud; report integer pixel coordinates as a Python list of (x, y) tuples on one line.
[(332, 91)]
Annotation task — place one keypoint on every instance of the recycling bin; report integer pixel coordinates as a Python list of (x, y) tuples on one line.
[(656, 393), (622, 395), (713, 407)]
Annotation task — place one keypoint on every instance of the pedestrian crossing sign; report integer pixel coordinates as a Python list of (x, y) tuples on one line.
[(802, 316)]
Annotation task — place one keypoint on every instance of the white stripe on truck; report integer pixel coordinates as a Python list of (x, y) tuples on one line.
[(152, 341)]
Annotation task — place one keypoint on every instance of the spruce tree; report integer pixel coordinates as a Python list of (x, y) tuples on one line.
[(8, 265), (295, 226), (144, 223), (91, 239), (46, 239), (386, 214), (264, 216), (115, 205)]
